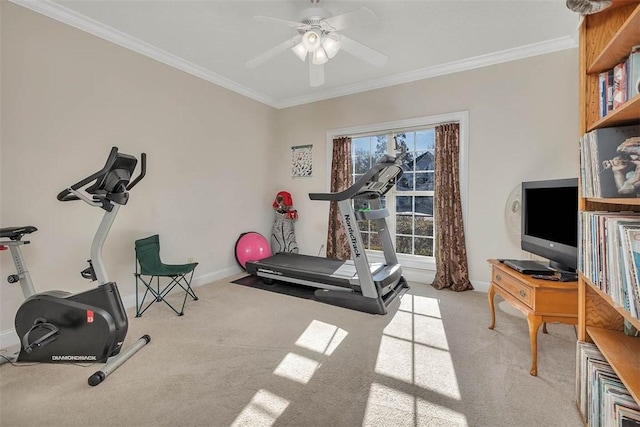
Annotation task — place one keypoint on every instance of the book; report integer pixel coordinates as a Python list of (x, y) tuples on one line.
[(602, 86), (627, 417), (614, 157), (609, 99), (631, 252), (619, 84), (633, 72)]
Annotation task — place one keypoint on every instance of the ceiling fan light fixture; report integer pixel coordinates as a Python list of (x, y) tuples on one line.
[(319, 56), (331, 45), (300, 51), (311, 40)]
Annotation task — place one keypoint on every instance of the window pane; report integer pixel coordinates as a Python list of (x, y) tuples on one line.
[(376, 244), (424, 181), (425, 161), (361, 146), (361, 164), (406, 182), (424, 246), (363, 226), (400, 141), (403, 245), (404, 224), (404, 204), (410, 141), (407, 162), (380, 142), (424, 226), (425, 140), (424, 205)]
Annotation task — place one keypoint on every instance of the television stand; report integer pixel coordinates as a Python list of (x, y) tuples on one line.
[(528, 266), (542, 301)]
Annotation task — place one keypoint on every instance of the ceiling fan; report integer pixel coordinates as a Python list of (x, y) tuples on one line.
[(587, 7), (319, 39)]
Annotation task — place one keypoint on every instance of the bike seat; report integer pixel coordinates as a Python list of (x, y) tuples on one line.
[(16, 233)]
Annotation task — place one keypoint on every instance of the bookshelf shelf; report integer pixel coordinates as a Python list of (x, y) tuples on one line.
[(621, 201), (622, 353), (620, 44), (626, 114), (606, 39), (624, 313)]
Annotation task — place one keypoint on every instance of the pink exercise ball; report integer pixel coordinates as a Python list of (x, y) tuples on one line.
[(251, 246)]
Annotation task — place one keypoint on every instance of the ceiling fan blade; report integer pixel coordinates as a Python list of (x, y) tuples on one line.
[(287, 44), (280, 21), (363, 52), (316, 74), (362, 16)]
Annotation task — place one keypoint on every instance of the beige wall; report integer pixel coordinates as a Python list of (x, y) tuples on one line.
[(216, 159), (67, 97), (523, 125)]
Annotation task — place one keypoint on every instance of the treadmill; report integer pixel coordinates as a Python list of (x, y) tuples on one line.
[(354, 284)]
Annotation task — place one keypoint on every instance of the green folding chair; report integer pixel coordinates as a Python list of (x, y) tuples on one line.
[(148, 257)]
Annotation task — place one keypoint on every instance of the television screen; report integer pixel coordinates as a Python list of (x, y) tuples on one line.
[(550, 221)]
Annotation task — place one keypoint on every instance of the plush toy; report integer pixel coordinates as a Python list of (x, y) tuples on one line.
[(284, 204), (283, 238)]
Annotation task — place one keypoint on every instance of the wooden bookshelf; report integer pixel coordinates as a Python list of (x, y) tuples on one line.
[(606, 39), (622, 353), (624, 115), (620, 44)]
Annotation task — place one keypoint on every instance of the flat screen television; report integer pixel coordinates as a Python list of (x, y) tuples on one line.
[(550, 221)]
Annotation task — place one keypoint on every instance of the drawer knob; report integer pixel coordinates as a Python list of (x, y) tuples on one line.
[(498, 277), (523, 294)]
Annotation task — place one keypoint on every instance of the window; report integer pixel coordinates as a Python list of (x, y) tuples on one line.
[(410, 203)]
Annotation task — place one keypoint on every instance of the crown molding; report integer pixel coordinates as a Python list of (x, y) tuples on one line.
[(67, 16), (494, 58)]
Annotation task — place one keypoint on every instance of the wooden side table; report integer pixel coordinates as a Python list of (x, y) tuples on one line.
[(540, 300)]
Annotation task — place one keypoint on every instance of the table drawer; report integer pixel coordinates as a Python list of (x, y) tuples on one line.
[(516, 288)]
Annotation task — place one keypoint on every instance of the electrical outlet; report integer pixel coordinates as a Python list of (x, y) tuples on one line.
[(190, 259)]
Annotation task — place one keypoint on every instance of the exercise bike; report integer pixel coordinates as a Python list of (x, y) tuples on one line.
[(57, 326)]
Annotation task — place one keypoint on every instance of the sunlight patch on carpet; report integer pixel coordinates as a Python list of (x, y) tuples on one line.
[(387, 406), (414, 348), (263, 410), (321, 337), (418, 329), (420, 305), (297, 368)]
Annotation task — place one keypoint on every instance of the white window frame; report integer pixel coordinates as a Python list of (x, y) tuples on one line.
[(462, 117)]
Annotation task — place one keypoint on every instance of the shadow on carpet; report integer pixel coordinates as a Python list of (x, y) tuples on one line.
[(277, 287)]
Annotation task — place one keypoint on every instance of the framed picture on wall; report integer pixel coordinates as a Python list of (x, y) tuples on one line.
[(301, 161)]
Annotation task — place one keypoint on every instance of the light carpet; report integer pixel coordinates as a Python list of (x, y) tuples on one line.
[(246, 357)]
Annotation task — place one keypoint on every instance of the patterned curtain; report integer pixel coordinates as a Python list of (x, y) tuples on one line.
[(452, 270), (337, 243)]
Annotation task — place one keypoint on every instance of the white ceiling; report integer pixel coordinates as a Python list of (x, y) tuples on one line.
[(213, 39)]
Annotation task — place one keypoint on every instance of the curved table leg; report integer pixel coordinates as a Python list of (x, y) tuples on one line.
[(534, 324), (491, 294)]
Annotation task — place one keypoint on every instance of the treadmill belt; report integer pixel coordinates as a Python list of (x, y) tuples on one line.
[(305, 263), (277, 287)]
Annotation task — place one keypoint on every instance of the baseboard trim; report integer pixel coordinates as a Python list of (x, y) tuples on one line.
[(9, 338)]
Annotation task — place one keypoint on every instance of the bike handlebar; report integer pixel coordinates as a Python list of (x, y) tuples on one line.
[(112, 182)]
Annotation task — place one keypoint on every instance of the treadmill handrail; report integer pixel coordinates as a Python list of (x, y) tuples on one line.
[(387, 161)]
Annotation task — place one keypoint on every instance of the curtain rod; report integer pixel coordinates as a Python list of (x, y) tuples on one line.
[(392, 131)]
